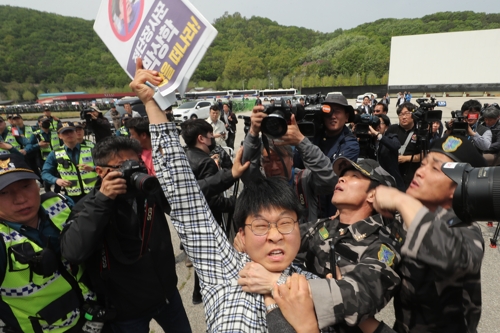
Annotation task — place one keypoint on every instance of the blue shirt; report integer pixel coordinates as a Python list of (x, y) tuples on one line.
[(49, 170), (33, 142)]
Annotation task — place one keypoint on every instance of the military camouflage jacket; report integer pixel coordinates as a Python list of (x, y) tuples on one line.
[(366, 256), (440, 272)]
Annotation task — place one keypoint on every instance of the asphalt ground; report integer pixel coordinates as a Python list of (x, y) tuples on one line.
[(490, 320)]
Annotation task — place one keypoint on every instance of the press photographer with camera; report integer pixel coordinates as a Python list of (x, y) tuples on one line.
[(316, 178), (409, 152), (121, 234), (96, 123), (441, 255), (384, 147), (491, 116), (478, 134)]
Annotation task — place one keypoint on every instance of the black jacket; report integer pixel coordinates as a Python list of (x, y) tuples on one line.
[(387, 156), (100, 225), (100, 126), (495, 139), (362, 109), (212, 182), (232, 123)]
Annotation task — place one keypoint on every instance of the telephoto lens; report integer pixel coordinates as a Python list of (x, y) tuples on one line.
[(145, 183)]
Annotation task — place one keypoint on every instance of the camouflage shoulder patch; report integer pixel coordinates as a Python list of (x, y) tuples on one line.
[(451, 144), (386, 255), (323, 233)]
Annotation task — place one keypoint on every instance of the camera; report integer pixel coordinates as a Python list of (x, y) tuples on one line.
[(478, 191), (136, 175), (85, 113), (423, 116), (459, 126), (276, 123), (363, 121)]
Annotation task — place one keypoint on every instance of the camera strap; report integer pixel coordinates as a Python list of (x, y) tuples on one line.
[(403, 147), (149, 214)]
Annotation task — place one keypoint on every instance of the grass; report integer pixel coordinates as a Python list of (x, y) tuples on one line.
[(60, 115)]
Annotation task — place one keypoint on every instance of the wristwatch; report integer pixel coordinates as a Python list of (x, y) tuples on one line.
[(271, 307)]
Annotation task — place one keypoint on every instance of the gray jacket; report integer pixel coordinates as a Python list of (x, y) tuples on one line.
[(316, 179)]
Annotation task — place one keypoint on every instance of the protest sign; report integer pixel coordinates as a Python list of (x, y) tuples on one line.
[(171, 37)]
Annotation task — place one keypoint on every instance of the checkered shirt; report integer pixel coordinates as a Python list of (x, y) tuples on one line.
[(227, 307)]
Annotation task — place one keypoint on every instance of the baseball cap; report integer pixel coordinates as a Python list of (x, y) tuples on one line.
[(14, 168), (78, 124), (459, 149), (66, 126), (16, 115), (369, 168), (339, 100), (46, 109), (94, 108)]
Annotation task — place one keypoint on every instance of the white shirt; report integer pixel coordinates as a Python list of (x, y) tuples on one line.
[(218, 127)]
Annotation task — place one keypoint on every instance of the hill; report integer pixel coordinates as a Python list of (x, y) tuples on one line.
[(42, 52)]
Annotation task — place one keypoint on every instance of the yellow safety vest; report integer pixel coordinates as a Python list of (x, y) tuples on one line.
[(54, 144), (11, 140), (38, 302), (124, 131), (82, 181)]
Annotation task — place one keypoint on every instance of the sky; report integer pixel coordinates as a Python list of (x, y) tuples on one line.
[(321, 15)]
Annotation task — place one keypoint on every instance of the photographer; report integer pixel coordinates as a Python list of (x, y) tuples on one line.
[(441, 256), (478, 134), (334, 139), (121, 234), (409, 152), (384, 149), (491, 117), (96, 123), (315, 179)]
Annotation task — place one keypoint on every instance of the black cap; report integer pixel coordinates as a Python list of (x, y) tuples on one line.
[(369, 168), (66, 126), (78, 124), (42, 118), (339, 100), (14, 168), (46, 109), (459, 149)]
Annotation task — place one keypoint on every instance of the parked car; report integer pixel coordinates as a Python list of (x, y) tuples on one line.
[(334, 93), (359, 99), (135, 103), (192, 110)]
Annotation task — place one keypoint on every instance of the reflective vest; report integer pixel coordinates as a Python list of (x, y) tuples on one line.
[(28, 132), (9, 138), (36, 301), (53, 124), (88, 143), (82, 181), (54, 143), (124, 131)]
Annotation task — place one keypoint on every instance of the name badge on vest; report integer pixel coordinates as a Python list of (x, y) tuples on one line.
[(87, 159)]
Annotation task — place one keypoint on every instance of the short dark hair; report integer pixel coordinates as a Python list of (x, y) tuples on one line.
[(472, 105), (265, 193), (366, 96), (214, 107), (387, 120), (109, 147), (386, 108), (139, 124), (194, 127), (409, 106)]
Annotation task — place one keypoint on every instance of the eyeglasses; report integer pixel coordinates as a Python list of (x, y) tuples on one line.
[(141, 163), (261, 227), (404, 114)]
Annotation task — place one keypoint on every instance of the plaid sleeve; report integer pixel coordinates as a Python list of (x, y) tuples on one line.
[(214, 258)]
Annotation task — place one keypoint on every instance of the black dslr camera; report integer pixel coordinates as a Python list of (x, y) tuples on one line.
[(363, 122), (459, 126), (279, 115), (137, 177)]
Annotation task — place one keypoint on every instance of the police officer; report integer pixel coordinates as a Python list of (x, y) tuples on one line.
[(8, 143), (54, 121), (441, 257), (80, 135), (24, 131), (70, 166), (123, 131), (356, 248), (39, 292), (11, 137)]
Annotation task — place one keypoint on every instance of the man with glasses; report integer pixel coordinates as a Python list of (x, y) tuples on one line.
[(409, 152), (70, 166), (122, 236)]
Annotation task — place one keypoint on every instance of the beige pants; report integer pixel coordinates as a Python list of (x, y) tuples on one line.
[(492, 159)]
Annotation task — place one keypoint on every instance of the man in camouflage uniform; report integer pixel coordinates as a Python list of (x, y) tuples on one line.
[(364, 252), (358, 243), (441, 256)]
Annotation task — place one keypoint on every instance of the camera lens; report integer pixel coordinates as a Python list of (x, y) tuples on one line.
[(274, 125), (144, 182)]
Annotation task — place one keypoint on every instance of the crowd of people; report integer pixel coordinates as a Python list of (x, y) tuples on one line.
[(326, 231)]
